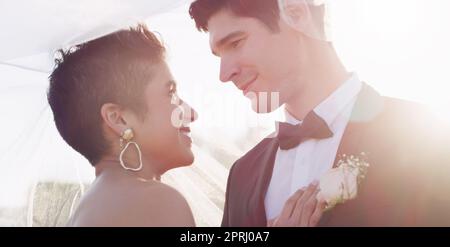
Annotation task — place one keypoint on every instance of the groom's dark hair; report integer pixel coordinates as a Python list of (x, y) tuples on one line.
[(112, 69), (267, 11)]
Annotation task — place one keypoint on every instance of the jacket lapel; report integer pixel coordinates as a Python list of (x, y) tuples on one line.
[(255, 207)]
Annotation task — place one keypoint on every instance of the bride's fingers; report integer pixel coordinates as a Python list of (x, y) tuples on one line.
[(290, 205), (298, 211), (271, 222), (309, 207), (318, 212)]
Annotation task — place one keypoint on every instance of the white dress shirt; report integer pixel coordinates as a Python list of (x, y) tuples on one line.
[(298, 167)]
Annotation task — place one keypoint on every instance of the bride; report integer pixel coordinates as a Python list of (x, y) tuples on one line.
[(114, 101)]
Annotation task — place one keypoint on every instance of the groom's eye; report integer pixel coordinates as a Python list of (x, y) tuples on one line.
[(235, 43)]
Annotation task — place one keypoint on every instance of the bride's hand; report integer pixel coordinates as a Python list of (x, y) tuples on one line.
[(301, 209)]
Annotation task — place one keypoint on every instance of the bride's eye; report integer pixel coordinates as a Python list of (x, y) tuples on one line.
[(172, 89), (173, 94)]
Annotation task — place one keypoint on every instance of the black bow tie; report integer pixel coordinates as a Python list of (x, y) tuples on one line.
[(312, 127)]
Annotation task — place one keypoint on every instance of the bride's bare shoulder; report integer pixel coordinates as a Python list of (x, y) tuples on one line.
[(165, 206), (132, 203)]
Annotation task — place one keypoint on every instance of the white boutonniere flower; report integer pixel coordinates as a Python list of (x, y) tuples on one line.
[(341, 183)]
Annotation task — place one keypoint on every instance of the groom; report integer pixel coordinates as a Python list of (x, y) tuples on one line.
[(282, 46)]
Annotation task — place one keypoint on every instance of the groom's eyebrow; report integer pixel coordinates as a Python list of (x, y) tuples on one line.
[(225, 40)]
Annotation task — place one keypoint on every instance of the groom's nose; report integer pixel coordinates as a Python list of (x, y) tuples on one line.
[(228, 69)]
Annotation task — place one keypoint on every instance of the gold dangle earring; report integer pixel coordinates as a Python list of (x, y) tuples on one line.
[(127, 135)]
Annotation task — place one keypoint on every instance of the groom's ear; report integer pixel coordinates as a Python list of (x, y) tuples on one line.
[(296, 14), (112, 116)]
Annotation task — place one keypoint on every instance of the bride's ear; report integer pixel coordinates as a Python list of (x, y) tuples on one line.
[(112, 116), (296, 14)]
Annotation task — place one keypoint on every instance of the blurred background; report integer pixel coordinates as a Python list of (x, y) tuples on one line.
[(400, 47)]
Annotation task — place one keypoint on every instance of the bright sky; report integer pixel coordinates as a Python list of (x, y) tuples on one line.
[(398, 46)]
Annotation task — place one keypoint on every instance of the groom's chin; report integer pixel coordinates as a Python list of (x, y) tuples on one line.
[(263, 102)]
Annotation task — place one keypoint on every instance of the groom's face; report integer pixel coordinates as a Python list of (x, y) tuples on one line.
[(255, 58)]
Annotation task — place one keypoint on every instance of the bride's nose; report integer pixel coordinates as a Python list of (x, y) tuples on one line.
[(189, 113)]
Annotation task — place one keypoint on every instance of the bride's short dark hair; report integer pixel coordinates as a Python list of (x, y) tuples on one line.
[(267, 11), (112, 69)]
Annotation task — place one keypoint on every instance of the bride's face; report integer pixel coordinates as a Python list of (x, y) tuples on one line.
[(163, 133)]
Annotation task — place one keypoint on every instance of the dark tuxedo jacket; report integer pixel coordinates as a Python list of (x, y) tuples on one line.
[(407, 183)]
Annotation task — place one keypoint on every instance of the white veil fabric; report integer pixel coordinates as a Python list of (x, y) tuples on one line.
[(41, 177), (316, 17), (33, 27)]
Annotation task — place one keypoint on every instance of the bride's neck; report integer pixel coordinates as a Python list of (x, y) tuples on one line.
[(112, 165)]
